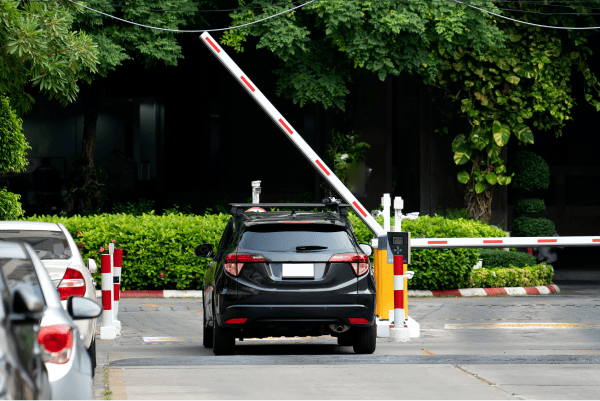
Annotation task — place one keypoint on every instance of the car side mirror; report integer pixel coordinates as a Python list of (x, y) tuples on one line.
[(367, 249), (82, 308), (27, 303), (92, 266), (204, 251)]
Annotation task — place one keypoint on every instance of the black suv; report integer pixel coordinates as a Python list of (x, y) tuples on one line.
[(288, 273)]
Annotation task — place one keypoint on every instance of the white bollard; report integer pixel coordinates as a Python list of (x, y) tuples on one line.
[(107, 330), (115, 322)]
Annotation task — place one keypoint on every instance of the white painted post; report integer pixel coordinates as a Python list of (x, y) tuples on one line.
[(398, 206), (256, 191), (386, 202)]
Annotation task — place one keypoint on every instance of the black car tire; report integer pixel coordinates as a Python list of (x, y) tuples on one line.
[(345, 341), (92, 353), (223, 339), (365, 339), (207, 334)]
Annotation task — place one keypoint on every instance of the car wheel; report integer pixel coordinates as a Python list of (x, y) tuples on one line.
[(92, 353), (207, 334), (365, 339), (345, 341), (223, 339)]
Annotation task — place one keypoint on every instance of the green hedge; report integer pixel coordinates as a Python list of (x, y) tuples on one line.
[(530, 206), (493, 258), (156, 245), (531, 171), (533, 227), (529, 276), (152, 245), (438, 269)]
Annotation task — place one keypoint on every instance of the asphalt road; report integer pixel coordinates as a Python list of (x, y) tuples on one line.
[(537, 347)]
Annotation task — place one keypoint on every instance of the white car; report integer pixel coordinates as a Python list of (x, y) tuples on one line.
[(60, 257)]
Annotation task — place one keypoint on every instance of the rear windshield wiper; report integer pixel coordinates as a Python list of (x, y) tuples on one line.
[(310, 247)]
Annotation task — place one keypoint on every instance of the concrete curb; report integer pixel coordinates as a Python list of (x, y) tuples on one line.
[(156, 294), (461, 292), (485, 292)]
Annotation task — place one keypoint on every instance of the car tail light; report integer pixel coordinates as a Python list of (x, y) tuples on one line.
[(234, 263), (238, 320), (358, 320), (57, 343), (72, 284), (359, 261)]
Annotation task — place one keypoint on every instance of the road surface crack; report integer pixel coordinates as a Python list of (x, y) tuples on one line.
[(487, 381)]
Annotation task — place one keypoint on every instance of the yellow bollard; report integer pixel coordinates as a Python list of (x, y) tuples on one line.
[(384, 280)]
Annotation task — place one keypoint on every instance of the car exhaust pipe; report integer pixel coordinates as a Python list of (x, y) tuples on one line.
[(338, 327)]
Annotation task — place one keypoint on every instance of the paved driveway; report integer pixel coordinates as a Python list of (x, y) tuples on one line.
[(535, 347)]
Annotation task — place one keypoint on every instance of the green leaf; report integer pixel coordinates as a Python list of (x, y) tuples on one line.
[(513, 79), (491, 178), (501, 169), (523, 133), (480, 187), (501, 132), (462, 155), (463, 177), (458, 141)]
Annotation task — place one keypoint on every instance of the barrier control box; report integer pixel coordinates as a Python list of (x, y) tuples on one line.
[(398, 244)]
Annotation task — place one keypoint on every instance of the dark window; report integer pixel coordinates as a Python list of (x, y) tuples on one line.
[(47, 244), (286, 237)]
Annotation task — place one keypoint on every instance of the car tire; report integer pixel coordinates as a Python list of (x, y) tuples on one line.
[(223, 339), (345, 341), (365, 339), (207, 334), (92, 353)]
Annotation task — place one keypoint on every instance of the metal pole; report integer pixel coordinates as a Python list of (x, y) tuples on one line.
[(256, 191)]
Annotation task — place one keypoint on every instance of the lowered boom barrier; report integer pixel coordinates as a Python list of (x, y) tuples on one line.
[(503, 242), (291, 134)]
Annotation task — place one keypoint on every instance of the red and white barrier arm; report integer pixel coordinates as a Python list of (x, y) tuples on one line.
[(503, 242), (292, 134)]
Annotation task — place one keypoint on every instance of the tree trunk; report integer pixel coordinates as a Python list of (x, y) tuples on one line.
[(93, 96), (479, 206)]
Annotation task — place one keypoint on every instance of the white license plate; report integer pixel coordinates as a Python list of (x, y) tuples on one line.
[(297, 270)]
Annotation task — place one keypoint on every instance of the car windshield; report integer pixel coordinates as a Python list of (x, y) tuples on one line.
[(296, 238), (47, 244), (18, 270)]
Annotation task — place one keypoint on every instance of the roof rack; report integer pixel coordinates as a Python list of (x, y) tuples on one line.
[(238, 209)]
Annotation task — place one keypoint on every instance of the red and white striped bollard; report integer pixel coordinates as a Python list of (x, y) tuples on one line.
[(117, 263)]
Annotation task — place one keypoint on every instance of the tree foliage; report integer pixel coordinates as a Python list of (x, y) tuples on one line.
[(118, 41), (511, 92), (13, 149), (326, 45), (39, 49)]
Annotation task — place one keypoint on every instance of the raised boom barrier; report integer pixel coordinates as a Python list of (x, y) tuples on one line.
[(291, 133)]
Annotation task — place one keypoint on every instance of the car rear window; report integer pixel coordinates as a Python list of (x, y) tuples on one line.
[(287, 237), (18, 271), (46, 244)]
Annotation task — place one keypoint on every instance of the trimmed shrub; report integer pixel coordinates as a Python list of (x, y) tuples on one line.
[(529, 276), (152, 245), (530, 205), (438, 269), (10, 207), (533, 227), (493, 258), (531, 171)]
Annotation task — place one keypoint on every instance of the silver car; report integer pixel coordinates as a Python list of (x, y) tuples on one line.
[(65, 356), (60, 256)]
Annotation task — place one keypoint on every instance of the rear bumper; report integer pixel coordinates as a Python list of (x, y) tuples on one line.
[(258, 315)]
